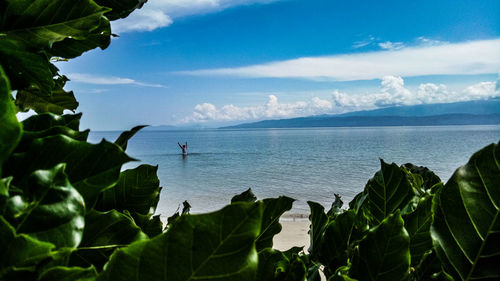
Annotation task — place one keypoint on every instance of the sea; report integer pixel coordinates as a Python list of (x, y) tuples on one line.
[(302, 163)]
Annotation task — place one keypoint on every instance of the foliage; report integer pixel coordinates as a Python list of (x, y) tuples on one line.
[(69, 212)]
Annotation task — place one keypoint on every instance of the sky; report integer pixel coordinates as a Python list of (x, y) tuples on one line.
[(210, 63)]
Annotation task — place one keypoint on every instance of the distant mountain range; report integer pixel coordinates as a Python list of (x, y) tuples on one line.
[(484, 112)]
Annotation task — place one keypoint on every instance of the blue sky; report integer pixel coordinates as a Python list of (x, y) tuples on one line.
[(217, 62)]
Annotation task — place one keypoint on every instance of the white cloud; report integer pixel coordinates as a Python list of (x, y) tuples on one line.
[(475, 57), (388, 45), (272, 109), (393, 92), (142, 20), (160, 13), (107, 80), (365, 42)]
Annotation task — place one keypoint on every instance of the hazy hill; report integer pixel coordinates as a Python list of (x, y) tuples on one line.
[(484, 112)]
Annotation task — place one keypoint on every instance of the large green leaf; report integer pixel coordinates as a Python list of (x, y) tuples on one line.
[(91, 168), (26, 70), (104, 232), (29, 136), (383, 254), (273, 209), (214, 246), (19, 250), (336, 241), (58, 100), (466, 226), (137, 190), (10, 129), (318, 220), (120, 8), (42, 122), (54, 211), (418, 225), (388, 191), (62, 273), (40, 23), (72, 48), (124, 137)]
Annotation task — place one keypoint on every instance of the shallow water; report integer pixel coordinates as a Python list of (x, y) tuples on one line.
[(306, 164)]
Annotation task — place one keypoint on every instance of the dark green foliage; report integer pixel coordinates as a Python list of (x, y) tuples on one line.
[(466, 226), (69, 212), (10, 132)]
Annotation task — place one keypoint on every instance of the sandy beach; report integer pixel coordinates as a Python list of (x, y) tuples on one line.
[(294, 233)]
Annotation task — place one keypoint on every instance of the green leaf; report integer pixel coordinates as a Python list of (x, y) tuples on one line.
[(104, 232), (41, 23), (58, 100), (280, 266), (428, 177), (29, 136), (91, 168), (318, 221), (383, 254), (466, 226), (19, 250), (273, 209), (418, 226), (71, 48), (62, 273), (151, 226), (124, 137), (137, 190), (26, 70), (10, 129), (214, 246), (336, 241), (246, 196), (388, 191), (42, 122), (55, 210), (120, 8)]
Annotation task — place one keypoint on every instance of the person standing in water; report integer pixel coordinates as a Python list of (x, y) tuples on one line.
[(184, 148)]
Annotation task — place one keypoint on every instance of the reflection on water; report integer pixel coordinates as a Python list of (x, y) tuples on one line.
[(306, 164)]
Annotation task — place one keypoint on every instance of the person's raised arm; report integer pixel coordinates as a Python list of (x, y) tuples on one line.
[(179, 144), (186, 145)]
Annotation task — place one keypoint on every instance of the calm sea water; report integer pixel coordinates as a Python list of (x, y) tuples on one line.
[(306, 164)]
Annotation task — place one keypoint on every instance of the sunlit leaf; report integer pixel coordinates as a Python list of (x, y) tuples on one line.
[(55, 210), (383, 254), (91, 168), (61, 273), (41, 23), (10, 129), (214, 246), (466, 226), (388, 191)]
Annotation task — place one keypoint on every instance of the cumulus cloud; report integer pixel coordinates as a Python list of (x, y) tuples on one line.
[(475, 57), (394, 93), (107, 80), (160, 13), (271, 110)]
